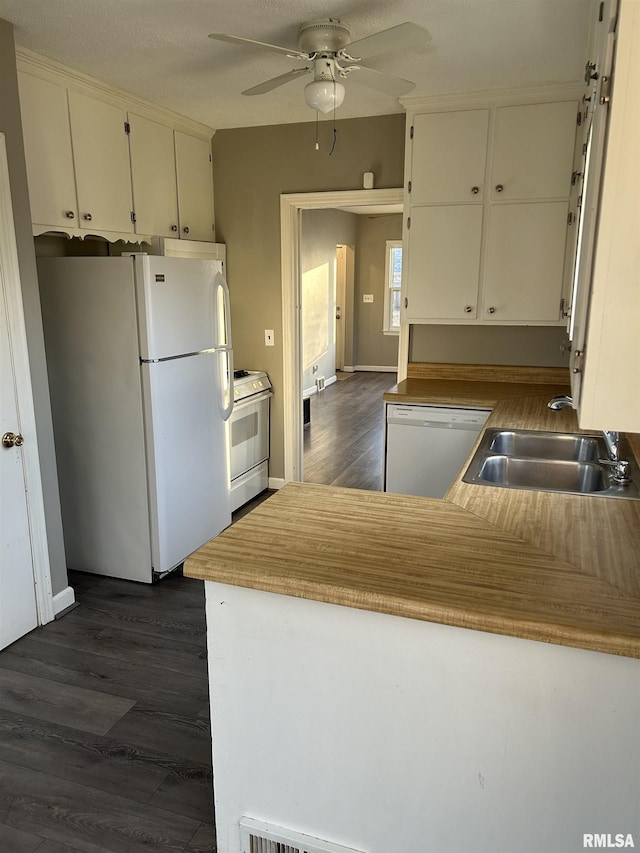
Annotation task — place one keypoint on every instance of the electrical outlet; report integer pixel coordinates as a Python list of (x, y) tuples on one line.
[(269, 338), (367, 297)]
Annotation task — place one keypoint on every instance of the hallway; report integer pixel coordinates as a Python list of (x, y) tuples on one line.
[(344, 443)]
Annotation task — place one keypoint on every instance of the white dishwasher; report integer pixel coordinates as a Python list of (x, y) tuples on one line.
[(426, 446)]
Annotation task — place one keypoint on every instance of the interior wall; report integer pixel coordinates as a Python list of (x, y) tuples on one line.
[(321, 232), (373, 347), (251, 168), (11, 126), (537, 346)]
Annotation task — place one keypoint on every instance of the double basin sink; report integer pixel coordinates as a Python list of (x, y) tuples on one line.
[(548, 461)]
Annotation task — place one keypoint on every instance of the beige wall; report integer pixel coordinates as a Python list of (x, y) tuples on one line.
[(11, 126), (322, 231), (252, 167), (372, 347), (523, 345)]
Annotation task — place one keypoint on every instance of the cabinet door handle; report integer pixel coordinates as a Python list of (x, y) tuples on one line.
[(69, 214), (468, 309), (491, 310), (174, 227), (186, 229), (87, 216), (475, 190), (499, 188)]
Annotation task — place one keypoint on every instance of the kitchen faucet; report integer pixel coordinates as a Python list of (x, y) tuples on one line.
[(620, 467)]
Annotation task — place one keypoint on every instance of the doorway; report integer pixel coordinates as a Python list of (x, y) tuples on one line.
[(291, 207), (25, 581)]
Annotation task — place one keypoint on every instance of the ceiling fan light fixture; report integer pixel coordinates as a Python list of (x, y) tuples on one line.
[(324, 95)]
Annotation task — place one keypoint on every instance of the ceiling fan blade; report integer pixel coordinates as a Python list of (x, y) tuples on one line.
[(274, 47), (405, 36), (268, 85), (386, 83)]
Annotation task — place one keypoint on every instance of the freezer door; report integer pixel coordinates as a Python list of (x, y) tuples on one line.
[(182, 306), (187, 456)]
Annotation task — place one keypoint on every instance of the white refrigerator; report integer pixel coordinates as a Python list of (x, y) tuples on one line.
[(141, 379)]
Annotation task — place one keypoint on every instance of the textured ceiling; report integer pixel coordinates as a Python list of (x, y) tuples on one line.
[(159, 50)]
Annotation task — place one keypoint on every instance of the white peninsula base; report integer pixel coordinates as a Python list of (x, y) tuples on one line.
[(393, 735)]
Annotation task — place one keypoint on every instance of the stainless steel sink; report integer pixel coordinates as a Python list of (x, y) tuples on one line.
[(548, 461), (545, 445), (514, 473)]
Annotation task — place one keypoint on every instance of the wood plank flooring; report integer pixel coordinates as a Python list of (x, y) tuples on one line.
[(344, 443), (104, 725)]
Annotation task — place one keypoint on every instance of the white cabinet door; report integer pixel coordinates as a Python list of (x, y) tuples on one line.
[(153, 175), (533, 151), (101, 158), (448, 159), (47, 145), (524, 262), (195, 192), (444, 262)]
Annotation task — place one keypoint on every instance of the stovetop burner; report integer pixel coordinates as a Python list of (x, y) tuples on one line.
[(239, 374)]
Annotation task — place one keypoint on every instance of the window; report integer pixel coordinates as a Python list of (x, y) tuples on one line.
[(393, 283)]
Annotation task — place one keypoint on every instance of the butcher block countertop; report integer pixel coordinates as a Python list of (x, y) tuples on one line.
[(542, 566)]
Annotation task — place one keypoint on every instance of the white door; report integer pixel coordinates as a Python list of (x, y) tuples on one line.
[(18, 613), (23, 540)]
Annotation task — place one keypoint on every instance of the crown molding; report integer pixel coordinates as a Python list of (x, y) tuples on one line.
[(543, 92), (41, 66)]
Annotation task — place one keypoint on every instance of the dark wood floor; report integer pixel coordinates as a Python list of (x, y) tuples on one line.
[(104, 725), (343, 445)]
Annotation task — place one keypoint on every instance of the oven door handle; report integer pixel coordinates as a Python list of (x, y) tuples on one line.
[(254, 398)]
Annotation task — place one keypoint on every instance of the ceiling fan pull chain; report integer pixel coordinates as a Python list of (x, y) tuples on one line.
[(317, 143)]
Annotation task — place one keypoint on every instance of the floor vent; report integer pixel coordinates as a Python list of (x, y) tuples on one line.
[(320, 383), (259, 837)]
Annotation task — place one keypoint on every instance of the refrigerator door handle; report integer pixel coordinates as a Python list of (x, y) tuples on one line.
[(226, 405), (220, 283)]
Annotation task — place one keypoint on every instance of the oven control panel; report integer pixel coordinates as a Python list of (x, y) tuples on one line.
[(250, 384)]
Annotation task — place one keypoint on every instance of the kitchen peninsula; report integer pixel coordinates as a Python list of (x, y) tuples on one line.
[(350, 700)]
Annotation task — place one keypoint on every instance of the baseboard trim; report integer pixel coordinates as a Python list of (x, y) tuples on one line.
[(63, 600), (276, 482), (348, 368), (330, 380), (377, 368)]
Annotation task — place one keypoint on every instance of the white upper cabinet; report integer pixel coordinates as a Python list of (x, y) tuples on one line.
[(445, 262), (195, 197), (448, 166), (488, 194), (524, 261), (101, 160), (533, 151), (153, 174), (48, 152), (108, 164)]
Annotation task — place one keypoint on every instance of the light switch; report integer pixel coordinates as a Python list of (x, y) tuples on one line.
[(269, 338), (367, 297)]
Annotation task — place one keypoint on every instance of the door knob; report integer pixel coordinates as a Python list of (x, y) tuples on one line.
[(499, 188), (11, 439), (475, 190)]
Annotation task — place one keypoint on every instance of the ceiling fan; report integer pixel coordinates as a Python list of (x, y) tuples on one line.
[(325, 46)]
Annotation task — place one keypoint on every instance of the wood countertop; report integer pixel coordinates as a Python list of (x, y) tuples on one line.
[(552, 567)]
